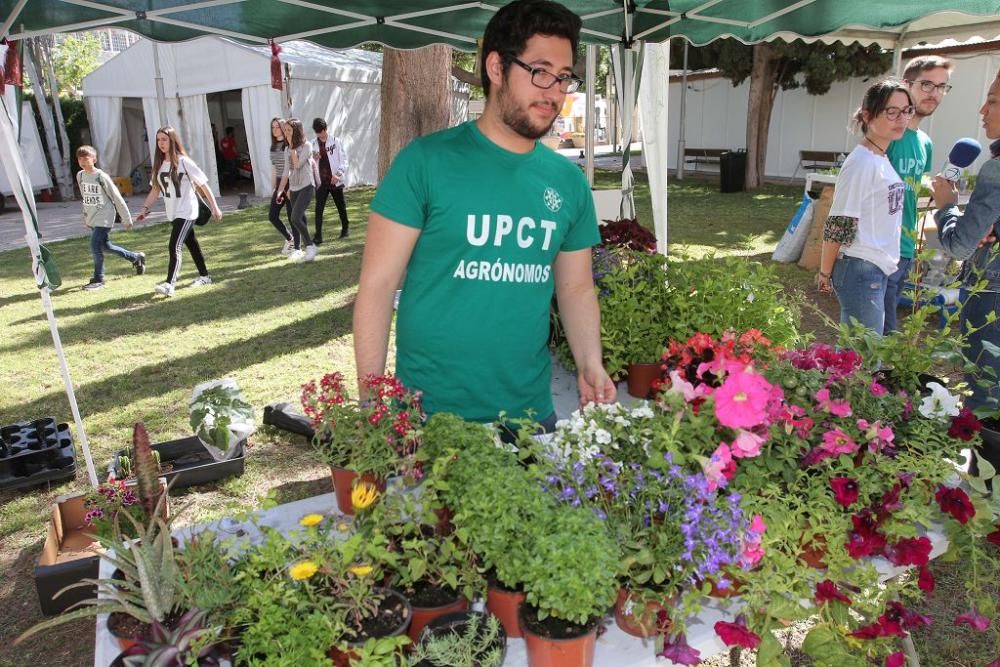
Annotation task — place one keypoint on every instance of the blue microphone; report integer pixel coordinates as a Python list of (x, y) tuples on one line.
[(963, 153)]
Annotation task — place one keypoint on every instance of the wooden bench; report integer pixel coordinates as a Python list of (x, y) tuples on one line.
[(813, 160), (703, 155)]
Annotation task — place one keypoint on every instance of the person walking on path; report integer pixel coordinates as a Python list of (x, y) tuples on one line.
[(278, 146), (332, 162), (485, 222), (861, 236), (102, 204), (179, 179), (300, 180), (926, 78)]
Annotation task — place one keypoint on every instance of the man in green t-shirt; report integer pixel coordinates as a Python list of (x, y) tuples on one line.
[(486, 223), (927, 78)]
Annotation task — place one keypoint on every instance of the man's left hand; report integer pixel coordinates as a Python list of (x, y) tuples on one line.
[(595, 386)]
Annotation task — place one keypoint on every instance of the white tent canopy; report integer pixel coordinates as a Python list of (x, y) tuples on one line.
[(341, 86)]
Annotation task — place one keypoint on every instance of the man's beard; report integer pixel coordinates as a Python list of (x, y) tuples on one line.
[(518, 120)]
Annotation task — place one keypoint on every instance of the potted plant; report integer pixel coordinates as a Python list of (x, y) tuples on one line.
[(461, 639), (221, 418), (190, 641), (435, 571), (373, 439)]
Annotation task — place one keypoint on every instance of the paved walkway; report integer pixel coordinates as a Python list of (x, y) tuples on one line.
[(64, 220)]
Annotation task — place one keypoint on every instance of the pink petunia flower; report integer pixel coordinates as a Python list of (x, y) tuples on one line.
[(678, 651), (720, 467), (746, 445), (974, 620), (838, 408), (741, 401), (836, 442)]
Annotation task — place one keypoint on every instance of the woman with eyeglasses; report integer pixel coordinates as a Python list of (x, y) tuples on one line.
[(861, 236)]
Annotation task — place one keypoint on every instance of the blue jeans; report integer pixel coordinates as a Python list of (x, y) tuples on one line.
[(975, 309), (860, 288), (894, 292), (99, 242)]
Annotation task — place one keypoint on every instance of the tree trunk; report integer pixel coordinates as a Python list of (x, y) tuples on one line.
[(48, 124), (763, 87), (57, 107), (416, 98)]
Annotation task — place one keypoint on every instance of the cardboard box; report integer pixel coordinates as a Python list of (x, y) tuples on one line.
[(67, 557), (813, 250)]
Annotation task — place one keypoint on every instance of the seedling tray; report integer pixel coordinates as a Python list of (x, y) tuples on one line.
[(186, 462), (35, 452)]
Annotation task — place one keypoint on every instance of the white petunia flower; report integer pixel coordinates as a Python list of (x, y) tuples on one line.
[(941, 402)]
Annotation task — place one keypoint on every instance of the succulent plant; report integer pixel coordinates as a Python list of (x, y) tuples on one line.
[(190, 639)]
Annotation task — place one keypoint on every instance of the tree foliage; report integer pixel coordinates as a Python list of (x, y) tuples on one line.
[(73, 59), (814, 67)]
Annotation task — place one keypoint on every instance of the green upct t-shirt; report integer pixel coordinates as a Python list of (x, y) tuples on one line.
[(473, 317), (911, 158)]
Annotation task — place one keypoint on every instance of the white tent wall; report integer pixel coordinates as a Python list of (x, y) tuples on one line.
[(105, 131), (653, 112), (260, 105), (353, 112), (30, 146), (716, 117)]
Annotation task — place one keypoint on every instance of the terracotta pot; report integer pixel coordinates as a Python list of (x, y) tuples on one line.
[(547, 652), (424, 615), (735, 588), (444, 527), (457, 623), (346, 657), (640, 379), (504, 605), (125, 643), (343, 484), (640, 620)]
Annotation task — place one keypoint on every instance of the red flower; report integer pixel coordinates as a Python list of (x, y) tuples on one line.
[(827, 590), (910, 551), (737, 634), (864, 540), (954, 501), (845, 490), (995, 663), (897, 659), (926, 580), (974, 620), (994, 537), (964, 426)]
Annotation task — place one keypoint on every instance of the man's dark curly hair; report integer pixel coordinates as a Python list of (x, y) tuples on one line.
[(510, 29)]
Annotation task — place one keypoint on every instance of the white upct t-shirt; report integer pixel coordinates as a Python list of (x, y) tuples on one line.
[(180, 200), (870, 190)]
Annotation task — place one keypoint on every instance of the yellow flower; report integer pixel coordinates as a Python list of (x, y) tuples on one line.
[(361, 570), (310, 520), (363, 495), (343, 527), (302, 570)]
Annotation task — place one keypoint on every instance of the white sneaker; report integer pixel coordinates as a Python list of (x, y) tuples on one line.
[(287, 249), (166, 289), (296, 256), (310, 254), (201, 280)]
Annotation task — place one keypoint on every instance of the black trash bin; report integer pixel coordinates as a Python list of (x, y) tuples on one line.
[(732, 169)]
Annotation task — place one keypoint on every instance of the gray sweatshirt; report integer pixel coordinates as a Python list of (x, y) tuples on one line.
[(301, 177), (101, 200)]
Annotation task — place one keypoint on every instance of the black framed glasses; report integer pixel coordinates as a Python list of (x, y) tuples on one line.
[(542, 78), (930, 86), (892, 113)]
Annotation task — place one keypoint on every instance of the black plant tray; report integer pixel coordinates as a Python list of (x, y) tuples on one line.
[(36, 452), (192, 464)]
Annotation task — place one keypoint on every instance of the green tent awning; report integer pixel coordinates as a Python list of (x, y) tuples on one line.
[(414, 23)]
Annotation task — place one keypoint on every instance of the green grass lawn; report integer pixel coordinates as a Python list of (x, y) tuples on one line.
[(271, 325)]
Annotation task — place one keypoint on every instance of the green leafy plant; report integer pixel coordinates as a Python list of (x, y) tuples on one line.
[(190, 641), (220, 416)]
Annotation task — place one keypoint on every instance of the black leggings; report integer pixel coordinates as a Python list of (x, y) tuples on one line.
[(182, 234), (274, 215), (336, 192)]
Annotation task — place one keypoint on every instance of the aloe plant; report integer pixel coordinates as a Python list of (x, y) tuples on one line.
[(149, 590)]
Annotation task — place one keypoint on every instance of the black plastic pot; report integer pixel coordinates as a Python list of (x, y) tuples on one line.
[(456, 622), (36, 452), (191, 463), (989, 450)]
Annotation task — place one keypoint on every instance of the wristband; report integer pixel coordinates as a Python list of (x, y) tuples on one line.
[(825, 275)]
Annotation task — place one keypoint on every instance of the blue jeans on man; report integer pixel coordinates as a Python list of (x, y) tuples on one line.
[(860, 288), (894, 292), (100, 242)]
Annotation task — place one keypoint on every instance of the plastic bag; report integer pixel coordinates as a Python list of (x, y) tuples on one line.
[(220, 417), (790, 246)]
